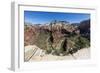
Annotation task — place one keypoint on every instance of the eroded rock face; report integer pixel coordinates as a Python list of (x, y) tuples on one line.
[(85, 28), (32, 33), (52, 37)]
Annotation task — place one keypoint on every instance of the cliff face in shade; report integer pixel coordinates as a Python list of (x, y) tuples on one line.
[(84, 28)]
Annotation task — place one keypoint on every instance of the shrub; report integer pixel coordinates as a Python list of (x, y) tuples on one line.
[(82, 43)]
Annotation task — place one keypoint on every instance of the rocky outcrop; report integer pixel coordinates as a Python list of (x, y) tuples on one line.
[(31, 51), (84, 28), (51, 37)]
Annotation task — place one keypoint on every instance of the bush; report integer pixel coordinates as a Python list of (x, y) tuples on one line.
[(48, 51), (82, 43)]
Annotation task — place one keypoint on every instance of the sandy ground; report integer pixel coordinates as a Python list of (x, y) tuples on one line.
[(39, 56)]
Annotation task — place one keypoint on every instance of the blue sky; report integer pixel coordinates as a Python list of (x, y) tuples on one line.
[(37, 17)]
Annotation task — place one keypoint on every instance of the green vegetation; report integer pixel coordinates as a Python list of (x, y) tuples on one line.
[(41, 40), (82, 42)]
